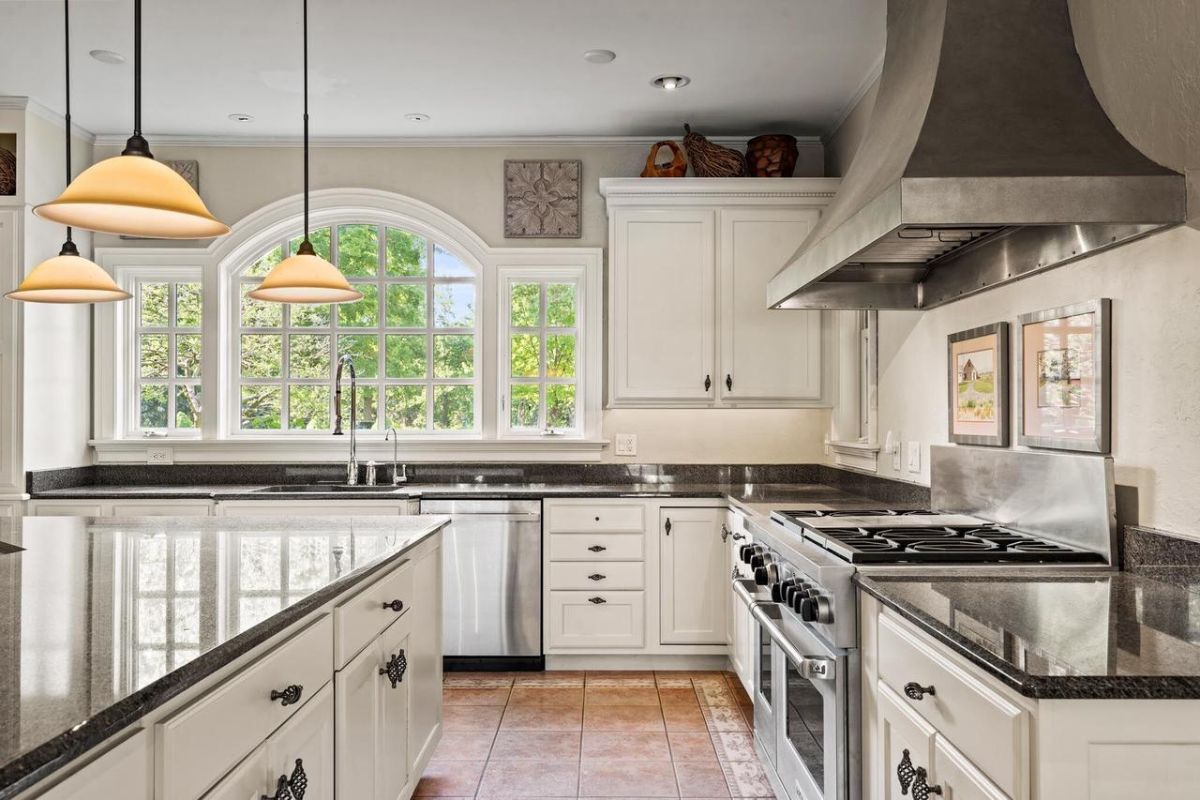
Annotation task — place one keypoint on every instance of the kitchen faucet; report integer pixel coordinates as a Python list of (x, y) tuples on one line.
[(352, 464), (399, 472)]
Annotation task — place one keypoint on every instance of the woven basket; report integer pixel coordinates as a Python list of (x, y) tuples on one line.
[(773, 155)]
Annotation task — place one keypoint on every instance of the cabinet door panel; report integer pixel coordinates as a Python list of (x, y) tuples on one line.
[(425, 661), (597, 619), (393, 717), (306, 741), (663, 304), (358, 691), (122, 771), (767, 355), (249, 780), (904, 738), (959, 779), (692, 564)]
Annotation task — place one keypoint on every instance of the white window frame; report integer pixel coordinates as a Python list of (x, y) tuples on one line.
[(172, 330), (508, 278), (237, 282), (254, 235)]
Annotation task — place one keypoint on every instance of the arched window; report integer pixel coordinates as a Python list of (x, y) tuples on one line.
[(413, 339)]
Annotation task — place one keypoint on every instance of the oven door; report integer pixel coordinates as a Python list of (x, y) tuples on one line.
[(765, 663), (812, 713)]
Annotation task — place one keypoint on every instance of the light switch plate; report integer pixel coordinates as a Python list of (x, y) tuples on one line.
[(159, 455), (627, 444), (914, 456)]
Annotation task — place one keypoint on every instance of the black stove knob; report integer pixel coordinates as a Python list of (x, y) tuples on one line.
[(790, 594), (747, 552), (779, 590), (808, 609), (760, 576), (823, 609)]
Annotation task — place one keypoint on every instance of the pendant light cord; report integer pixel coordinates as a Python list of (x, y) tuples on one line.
[(137, 68), (305, 28), (67, 115)]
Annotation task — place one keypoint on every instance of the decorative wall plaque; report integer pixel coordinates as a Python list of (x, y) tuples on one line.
[(541, 199)]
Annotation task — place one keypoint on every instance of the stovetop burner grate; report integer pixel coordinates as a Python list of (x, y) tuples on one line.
[(815, 513), (943, 544)]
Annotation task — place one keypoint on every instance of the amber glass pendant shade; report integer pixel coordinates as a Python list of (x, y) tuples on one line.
[(305, 278), (68, 278)]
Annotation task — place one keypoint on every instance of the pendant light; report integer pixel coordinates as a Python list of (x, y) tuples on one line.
[(68, 278), (132, 194), (305, 277)]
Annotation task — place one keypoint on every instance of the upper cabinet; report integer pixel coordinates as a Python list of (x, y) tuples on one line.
[(689, 262)]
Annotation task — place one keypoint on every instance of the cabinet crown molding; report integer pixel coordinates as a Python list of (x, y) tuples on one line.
[(718, 191)]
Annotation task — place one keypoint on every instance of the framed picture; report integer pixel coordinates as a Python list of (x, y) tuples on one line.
[(8, 164), (978, 382), (1065, 358)]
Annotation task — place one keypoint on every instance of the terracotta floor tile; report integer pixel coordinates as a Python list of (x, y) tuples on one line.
[(552, 678), (687, 746), (625, 746), (627, 779), (464, 746), (715, 694), (747, 779), (673, 680), (516, 745), (474, 696), (701, 779), (677, 696), (477, 679), (622, 718), (724, 718), (621, 695), (542, 718), (519, 779), (620, 679), (684, 718), (734, 746), (450, 779), (528, 695), (471, 718)]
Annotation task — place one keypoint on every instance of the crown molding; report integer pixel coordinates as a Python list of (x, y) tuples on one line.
[(31, 106), (220, 140), (619, 190), (871, 77)]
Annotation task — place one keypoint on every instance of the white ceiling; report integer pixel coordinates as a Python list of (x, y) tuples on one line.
[(477, 67)]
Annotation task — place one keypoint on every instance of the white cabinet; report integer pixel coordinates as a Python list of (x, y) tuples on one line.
[(692, 577), (120, 508), (301, 750), (689, 263), (741, 626), (425, 662), (597, 619), (906, 745), (959, 779), (123, 770), (373, 696), (663, 273), (766, 356)]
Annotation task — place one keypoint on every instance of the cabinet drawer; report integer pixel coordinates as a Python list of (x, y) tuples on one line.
[(598, 518), (201, 742), (577, 620), (583, 576), (597, 547), (987, 728), (361, 618)]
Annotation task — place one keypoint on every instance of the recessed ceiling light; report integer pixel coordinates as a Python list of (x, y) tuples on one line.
[(599, 56), (241, 118), (671, 82), (107, 56), (417, 117)]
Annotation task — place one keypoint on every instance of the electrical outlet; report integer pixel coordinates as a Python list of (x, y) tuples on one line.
[(893, 446), (159, 455), (914, 456), (627, 444)]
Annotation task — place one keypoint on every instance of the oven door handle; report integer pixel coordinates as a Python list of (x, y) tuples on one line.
[(743, 594), (814, 668)]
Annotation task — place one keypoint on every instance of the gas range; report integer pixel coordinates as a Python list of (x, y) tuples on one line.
[(887, 536)]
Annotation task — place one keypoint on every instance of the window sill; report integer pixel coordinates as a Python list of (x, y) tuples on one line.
[(329, 449), (861, 456)]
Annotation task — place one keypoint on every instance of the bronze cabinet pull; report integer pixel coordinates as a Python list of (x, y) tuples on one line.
[(915, 691), (289, 695)]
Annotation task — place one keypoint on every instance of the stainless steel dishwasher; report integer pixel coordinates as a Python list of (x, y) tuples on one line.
[(492, 583)]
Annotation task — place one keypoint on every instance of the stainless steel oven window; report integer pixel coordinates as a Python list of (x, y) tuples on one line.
[(763, 684)]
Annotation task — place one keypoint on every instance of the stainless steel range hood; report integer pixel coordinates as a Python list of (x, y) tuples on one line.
[(987, 159)]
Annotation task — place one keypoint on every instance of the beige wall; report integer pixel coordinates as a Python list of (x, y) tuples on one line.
[(466, 182), (1143, 64), (57, 351)]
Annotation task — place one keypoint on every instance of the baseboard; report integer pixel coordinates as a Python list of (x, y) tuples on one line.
[(493, 663), (639, 662)]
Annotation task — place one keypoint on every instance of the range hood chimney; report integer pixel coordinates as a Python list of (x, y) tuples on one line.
[(987, 159)]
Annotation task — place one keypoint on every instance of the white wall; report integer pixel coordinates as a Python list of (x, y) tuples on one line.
[(57, 350), (1143, 64), (467, 182)]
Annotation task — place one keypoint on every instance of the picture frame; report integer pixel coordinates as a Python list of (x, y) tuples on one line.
[(1065, 358), (978, 384)]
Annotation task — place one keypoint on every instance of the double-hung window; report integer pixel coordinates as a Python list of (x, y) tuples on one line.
[(542, 352), (168, 341)]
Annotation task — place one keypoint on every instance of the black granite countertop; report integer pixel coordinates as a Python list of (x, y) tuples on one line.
[(1056, 635), (104, 619), (767, 493)]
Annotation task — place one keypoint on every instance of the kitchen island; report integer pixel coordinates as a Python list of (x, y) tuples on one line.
[(180, 657)]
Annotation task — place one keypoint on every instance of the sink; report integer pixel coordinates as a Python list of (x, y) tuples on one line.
[(326, 488)]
